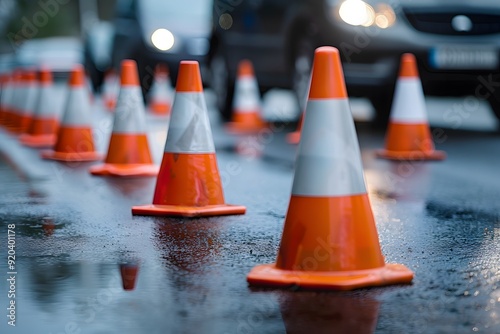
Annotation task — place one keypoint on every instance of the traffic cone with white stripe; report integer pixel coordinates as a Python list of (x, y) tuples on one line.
[(246, 105), (43, 128), (161, 93), (189, 183), (329, 240), (75, 141), (408, 135), (128, 273), (128, 151), (5, 98), (110, 89), (26, 102)]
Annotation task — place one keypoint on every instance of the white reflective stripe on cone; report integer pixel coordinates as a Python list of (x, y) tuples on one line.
[(328, 160), (48, 105), (161, 91), (246, 95), (6, 96), (28, 100), (189, 130), (77, 109), (409, 102), (129, 115)]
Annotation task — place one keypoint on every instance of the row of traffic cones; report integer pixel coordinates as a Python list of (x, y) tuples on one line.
[(329, 209)]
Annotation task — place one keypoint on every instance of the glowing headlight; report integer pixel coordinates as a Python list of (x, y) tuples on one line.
[(162, 39), (359, 13)]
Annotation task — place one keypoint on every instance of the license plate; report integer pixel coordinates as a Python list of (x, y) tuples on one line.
[(464, 58)]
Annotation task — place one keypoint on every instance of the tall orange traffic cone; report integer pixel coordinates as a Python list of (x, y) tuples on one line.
[(189, 183), (26, 102), (408, 135), (128, 273), (330, 240), (43, 128), (246, 104), (75, 141), (128, 152), (161, 93), (110, 89)]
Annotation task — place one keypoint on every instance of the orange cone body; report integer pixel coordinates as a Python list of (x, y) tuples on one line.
[(43, 128), (128, 152), (189, 183), (5, 98), (25, 104), (246, 104), (408, 135), (75, 141), (161, 93), (129, 272), (110, 89), (329, 240)]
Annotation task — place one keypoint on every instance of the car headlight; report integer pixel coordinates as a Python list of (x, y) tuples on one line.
[(360, 13), (162, 39)]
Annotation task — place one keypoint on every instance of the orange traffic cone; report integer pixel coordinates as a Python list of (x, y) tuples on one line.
[(330, 240), (26, 102), (161, 93), (189, 183), (75, 141), (129, 272), (408, 135), (128, 152), (110, 89), (246, 104), (43, 128)]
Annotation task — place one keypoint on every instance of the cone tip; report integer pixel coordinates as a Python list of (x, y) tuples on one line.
[(77, 76), (128, 75), (245, 68), (327, 81), (189, 78), (408, 66)]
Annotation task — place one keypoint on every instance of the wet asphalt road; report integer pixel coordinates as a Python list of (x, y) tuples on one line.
[(73, 231)]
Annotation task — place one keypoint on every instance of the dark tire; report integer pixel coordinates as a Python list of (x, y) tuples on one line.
[(382, 103), (222, 84)]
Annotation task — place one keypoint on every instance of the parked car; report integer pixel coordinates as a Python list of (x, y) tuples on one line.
[(159, 31), (456, 44)]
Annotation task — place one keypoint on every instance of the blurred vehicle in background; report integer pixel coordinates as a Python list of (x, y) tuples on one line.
[(98, 40), (456, 44), (158, 31), (59, 54)]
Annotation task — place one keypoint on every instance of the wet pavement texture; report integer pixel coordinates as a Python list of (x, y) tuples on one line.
[(78, 248)]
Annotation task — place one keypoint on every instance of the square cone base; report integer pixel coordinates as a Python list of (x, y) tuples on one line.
[(411, 155), (188, 211), (268, 275), (38, 140), (71, 156), (125, 170)]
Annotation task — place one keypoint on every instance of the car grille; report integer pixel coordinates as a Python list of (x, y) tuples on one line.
[(441, 23)]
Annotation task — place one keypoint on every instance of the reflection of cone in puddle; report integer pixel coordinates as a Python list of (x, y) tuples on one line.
[(129, 274), (48, 225), (188, 245), (307, 312)]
